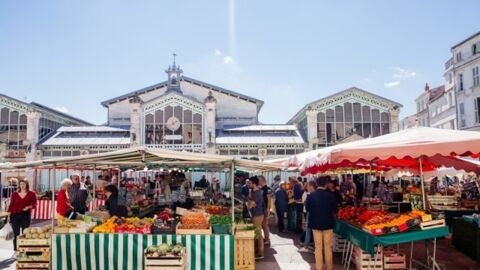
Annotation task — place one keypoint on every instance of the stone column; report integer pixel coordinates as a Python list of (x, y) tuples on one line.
[(394, 113), (210, 123), (312, 134), (33, 129), (135, 121)]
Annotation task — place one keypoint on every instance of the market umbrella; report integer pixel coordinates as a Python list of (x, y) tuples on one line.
[(409, 148)]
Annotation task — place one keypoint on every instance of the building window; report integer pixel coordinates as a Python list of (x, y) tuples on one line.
[(460, 82), (477, 110), (459, 56), (462, 109), (476, 79), (474, 49), (449, 77)]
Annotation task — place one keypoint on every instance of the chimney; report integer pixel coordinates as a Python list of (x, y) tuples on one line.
[(427, 88)]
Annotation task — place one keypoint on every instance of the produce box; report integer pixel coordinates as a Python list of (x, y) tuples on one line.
[(394, 261), (193, 231), (172, 257), (432, 224), (33, 265), (244, 248), (22, 241), (221, 228)]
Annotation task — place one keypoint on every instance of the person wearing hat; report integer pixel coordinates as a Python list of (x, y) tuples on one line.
[(64, 208), (78, 195)]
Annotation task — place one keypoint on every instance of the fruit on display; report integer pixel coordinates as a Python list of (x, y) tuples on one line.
[(217, 210), (350, 213), (165, 215), (164, 250), (106, 227), (38, 232), (194, 220), (126, 225)]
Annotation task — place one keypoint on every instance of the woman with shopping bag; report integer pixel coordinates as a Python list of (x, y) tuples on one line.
[(21, 204)]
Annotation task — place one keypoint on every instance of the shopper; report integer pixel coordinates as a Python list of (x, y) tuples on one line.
[(21, 204), (267, 195), (310, 188), (297, 196), (245, 193), (64, 208), (113, 204), (281, 205), (276, 183), (257, 210), (78, 195), (322, 207), (335, 189)]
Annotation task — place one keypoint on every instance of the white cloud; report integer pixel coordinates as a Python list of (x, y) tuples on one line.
[(364, 80), (227, 60), (62, 109), (401, 73), (392, 84), (218, 52)]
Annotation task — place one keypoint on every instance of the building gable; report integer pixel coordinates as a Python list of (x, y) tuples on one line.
[(349, 95)]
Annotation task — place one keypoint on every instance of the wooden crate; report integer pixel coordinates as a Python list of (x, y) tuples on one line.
[(244, 248), (33, 265), (432, 224), (166, 263), (394, 261), (22, 241), (193, 231), (33, 249)]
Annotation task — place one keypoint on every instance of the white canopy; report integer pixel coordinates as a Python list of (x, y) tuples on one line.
[(413, 143), (143, 156)]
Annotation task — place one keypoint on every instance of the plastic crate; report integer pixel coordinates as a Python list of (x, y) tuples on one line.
[(221, 229)]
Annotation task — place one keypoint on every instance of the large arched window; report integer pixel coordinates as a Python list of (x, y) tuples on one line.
[(172, 126), (13, 128)]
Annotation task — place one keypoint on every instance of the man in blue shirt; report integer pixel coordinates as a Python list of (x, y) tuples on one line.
[(322, 206), (297, 196)]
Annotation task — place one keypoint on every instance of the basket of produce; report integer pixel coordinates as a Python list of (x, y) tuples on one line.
[(221, 224), (194, 223), (35, 236), (165, 256)]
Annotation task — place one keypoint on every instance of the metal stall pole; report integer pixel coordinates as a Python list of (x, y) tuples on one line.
[(232, 194), (53, 196), (94, 185), (422, 184)]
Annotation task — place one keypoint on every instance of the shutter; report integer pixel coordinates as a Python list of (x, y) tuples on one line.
[(476, 110)]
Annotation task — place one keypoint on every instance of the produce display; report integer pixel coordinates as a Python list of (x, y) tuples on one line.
[(220, 220), (164, 250), (217, 210), (194, 220), (38, 232), (378, 221), (251, 228), (125, 225)]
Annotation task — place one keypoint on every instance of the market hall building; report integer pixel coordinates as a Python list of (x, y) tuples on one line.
[(186, 114)]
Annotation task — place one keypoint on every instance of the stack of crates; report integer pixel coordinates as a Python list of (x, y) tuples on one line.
[(363, 260), (393, 259)]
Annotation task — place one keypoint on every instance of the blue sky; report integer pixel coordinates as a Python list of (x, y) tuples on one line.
[(74, 54)]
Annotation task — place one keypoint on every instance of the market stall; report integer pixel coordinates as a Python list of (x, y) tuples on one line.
[(205, 232)]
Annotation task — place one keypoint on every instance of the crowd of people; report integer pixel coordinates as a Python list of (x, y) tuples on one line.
[(307, 206)]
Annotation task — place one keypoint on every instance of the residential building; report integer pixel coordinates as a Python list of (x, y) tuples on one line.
[(330, 120), (463, 71), (409, 122)]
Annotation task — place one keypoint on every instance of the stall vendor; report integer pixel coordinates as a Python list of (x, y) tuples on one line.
[(64, 208), (112, 204), (78, 195)]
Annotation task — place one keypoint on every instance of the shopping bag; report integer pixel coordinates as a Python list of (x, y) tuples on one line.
[(7, 232)]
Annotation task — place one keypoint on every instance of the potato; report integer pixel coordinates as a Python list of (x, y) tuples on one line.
[(35, 235), (26, 230), (42, 236), (28, 236)]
